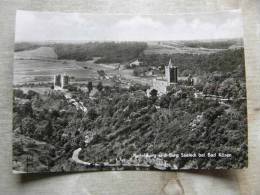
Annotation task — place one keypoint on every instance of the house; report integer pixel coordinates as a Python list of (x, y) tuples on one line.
[(135, 63)]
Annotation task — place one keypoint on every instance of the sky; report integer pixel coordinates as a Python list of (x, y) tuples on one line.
[(60, 26)]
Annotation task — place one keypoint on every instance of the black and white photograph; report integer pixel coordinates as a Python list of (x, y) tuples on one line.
[(100, 92)]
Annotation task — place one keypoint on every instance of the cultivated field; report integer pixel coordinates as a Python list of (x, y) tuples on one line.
[(40, 65)]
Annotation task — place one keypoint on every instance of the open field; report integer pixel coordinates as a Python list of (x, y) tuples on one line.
[(189, 47), (41, 53), (29, 68)]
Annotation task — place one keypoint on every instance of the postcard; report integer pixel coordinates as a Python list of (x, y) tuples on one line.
[(95, 92)]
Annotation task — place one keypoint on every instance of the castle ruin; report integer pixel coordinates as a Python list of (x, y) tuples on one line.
[(61, 82)]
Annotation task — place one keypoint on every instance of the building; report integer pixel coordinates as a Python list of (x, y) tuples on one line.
[(61, 82), (171, 73), (170, 78), (57, 81), (65, 81), (135, 63)]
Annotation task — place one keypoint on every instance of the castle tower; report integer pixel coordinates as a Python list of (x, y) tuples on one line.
[(57, 80), (64, 81), (171, 72), (61, 81)]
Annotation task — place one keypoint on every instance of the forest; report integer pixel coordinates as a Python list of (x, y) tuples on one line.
[(211, 44), (197, 64), (126, 121), (123, 52), (109, 52)]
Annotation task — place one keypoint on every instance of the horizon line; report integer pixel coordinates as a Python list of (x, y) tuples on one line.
[(176, 40)]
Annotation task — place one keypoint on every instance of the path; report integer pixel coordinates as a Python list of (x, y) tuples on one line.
[(162, 165), (75, 157)]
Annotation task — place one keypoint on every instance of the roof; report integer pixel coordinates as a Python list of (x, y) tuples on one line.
[(170, 64), (136, 62)]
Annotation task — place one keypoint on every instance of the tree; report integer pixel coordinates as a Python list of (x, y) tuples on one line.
[(90, 86), (100, 86), (18, 93), (40, 132), (31, 94), (153, 94), (165, 101), (18, 148), (72, 88), (26, 109), (67, 147), (55, 114), (36, 103), (101, 73), (107, 90), (28, 126), (92, 114)]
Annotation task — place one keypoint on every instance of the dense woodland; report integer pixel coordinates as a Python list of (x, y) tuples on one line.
[(110, 52), (124, 122), (219, 44), (197, 64)]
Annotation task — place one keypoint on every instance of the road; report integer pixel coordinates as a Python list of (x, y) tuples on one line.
[(120, 163), (75, 157)]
